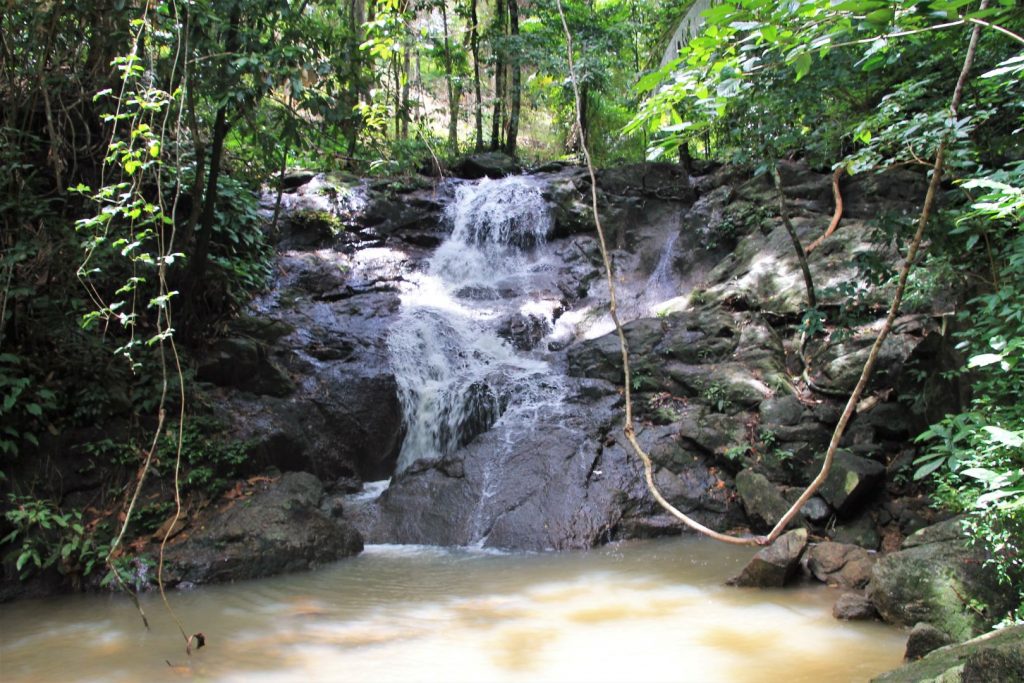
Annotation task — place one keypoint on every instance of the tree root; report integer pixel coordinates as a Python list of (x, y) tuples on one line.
[(837, 215)]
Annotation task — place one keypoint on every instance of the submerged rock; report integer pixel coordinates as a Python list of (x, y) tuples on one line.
[(854, 607), (279, 529), (774, 566)]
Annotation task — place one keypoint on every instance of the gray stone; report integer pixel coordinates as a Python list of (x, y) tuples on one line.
[(690, 337), (244, 363), (654, 180), (485, 165), (774, 566), (947, 530), (278, 530), (996, 657), (842, 364), (296, 178), (327, 432), (838, 564), (860, 532), (854, 607), (923, 639), (762, 500), (816, 510), (928, 581), (851, 480), (781, 410), (566, 482)]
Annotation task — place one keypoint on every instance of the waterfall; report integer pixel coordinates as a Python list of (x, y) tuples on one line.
[(461, 350)]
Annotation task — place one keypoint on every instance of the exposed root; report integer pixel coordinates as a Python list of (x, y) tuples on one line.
[(837, 215)]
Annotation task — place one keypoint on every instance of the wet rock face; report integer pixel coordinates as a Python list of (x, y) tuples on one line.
[(278, 530), (565, 483), (730, 435)]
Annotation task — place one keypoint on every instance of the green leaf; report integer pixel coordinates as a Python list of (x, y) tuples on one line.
[(927, 468), (649, 82), (880, 17), (22, 559), (802, 64), (980, 473), (983, 359), (1005, 437)]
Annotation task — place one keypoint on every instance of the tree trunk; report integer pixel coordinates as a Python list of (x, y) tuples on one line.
[(200, 257), (406, 70), (499, 76), (474, 47), (453, 94), (515, 94), (358, 90)]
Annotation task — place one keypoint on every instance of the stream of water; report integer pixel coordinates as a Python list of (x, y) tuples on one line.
[(639, 611), (454, 351)]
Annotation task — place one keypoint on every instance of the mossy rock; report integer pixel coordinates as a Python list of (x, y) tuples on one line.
[(996, 657), (941, 582)]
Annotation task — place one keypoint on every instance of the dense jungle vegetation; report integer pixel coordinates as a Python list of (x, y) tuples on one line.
[(136, 134)]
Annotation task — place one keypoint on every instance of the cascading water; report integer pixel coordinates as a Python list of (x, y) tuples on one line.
[(456, 369)]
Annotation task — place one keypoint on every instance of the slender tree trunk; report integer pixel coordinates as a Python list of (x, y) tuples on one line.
[(200, 257), (453, 90), (357, 89), (517, 73), (499, 76), (584, 122), (801, 255), (474, 47), (397, 96), (406, 70)]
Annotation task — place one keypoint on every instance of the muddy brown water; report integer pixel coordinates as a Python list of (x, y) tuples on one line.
[(638, 611)]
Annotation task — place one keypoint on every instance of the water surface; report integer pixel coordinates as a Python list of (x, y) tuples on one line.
[(638, 611)]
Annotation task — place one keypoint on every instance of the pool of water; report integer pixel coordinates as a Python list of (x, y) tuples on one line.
[(638, 611)]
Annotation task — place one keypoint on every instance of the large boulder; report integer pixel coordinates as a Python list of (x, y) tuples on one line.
[(930, 580), (996, 657), (485, 165), (324, 324), (664, 351), (774, 566), (838, 564), (279, 529), (653, 180), (762, 500), (851, 480)]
